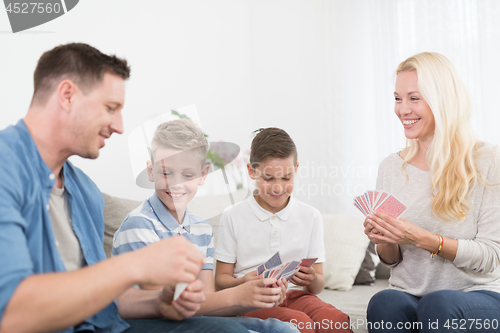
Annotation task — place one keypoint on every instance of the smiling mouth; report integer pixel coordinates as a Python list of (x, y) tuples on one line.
[(277, 195), (176, 195), (410, 122)]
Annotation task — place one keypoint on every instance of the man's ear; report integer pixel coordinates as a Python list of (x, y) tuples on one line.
[(150, 171), (204, 173), (296, 167), (66, 90), (251, 171)]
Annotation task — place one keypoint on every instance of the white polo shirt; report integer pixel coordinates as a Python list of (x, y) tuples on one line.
[(249, 235)]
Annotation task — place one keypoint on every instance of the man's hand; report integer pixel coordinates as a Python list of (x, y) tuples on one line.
[(304, 276), (168, 262), (186, 305)]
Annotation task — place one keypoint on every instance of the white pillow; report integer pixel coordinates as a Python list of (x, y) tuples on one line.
[(345, 248)]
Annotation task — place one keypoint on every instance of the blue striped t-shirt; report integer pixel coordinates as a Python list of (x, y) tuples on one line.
[(151, 221)]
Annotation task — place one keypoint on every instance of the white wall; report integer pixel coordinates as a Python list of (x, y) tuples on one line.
[(321, 70)]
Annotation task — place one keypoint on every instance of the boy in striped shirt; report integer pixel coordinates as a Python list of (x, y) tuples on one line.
[(177, 168)]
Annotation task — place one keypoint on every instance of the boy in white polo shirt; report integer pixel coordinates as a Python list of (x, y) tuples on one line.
[(177, 168), (270, 221)]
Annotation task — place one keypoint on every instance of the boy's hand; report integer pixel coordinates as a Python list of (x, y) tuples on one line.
[(186, 305), (251, 276), (283, 284), (304, 276), (255, 294)]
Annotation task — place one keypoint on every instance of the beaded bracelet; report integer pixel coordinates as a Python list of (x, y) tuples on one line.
[(433, 254)]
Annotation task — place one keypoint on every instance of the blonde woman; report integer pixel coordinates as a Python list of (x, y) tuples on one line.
[(444, 250)]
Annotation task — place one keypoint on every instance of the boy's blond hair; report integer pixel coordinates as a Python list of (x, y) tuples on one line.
[(180, 134)]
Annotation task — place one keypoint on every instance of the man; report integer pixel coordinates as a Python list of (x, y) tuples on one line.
[(53, 274)]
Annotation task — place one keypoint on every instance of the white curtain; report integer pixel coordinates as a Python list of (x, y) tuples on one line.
[(337, 61), (323, 70)]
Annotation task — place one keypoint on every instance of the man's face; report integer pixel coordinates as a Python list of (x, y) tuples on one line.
[(177, 175), (97, 115)]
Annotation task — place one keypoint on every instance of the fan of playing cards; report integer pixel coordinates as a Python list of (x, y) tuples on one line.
[(275, 269), (379, 201)]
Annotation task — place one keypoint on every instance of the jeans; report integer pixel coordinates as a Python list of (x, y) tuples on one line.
[(270, 325), (439, 311), (190, 325)]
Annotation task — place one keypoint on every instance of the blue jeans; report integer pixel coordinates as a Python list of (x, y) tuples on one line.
[(190, 325), (210, 325), (439, 311), (270, 325)]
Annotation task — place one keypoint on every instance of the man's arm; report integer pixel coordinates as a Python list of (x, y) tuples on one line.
[(55, 301)]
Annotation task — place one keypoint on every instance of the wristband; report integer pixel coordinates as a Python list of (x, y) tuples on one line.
[(433, 254)]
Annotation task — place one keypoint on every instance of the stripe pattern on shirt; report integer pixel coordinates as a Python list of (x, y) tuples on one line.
[(151, 222)]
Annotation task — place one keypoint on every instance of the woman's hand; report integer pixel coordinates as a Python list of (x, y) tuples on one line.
[(382, 228)]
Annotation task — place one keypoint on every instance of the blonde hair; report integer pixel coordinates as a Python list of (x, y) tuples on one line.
[(454, 148), (180, 134)]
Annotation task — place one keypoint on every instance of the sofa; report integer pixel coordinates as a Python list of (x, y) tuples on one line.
[(345, 246)]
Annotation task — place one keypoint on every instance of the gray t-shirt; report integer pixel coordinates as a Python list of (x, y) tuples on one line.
[(66, 241), (478, 256)]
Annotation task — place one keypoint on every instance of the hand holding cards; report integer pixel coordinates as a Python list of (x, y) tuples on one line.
[(179, 289), (275, 269), (379, 201)]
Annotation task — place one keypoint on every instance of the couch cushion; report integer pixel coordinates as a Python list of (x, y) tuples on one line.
[(345, 246), (115, 210)]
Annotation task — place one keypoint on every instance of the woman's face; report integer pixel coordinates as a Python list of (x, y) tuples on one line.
[(415, 114)]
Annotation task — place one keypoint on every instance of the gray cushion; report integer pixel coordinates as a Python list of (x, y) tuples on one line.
[(115, 210)]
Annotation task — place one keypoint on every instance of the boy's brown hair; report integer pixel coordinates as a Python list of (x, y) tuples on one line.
[(269, 143)]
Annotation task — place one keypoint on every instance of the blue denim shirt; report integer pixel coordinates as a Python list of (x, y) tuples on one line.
[(27, 244)]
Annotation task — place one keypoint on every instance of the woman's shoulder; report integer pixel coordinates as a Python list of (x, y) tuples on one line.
[(486, 155), (393, 159)]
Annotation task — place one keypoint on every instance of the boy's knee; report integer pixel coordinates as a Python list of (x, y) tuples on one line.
[(303, 322)]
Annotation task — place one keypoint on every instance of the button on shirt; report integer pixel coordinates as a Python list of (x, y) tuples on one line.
[(26, 233)]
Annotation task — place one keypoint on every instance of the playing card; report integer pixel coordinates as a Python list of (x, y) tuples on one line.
[(266, 274), (291, 274), (308, 262), (261, 269), (274, 261), (391, 206), (359, 207), (371, 198), (382, 196), (179, 288), (288, 268), (363, 204), (367, 201)]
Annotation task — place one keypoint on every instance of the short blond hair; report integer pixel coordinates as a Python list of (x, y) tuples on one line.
[(180, 134)]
